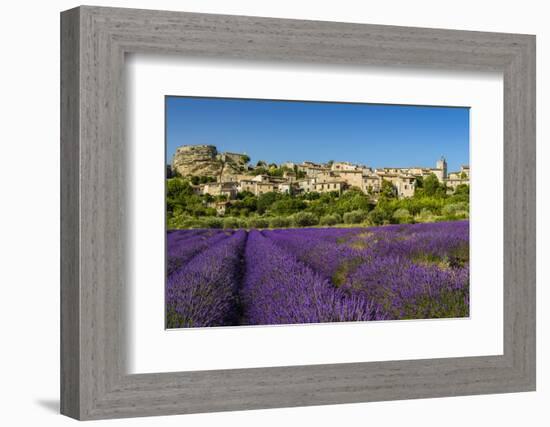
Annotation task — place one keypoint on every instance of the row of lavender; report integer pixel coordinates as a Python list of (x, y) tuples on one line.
[(279, 289), (414, 271), (202, 290), (317, 275)]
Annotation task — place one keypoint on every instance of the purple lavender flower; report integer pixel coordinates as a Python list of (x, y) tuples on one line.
[(412, 271), (280, 289), (204, 292)]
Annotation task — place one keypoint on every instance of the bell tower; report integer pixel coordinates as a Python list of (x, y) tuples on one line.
[(442, 164)]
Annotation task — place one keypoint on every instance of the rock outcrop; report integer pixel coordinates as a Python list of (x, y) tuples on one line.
[(205, 160)]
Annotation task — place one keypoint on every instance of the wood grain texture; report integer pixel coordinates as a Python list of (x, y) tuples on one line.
[(94, 269), (70, 297)]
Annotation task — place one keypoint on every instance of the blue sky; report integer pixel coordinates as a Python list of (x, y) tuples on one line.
[(278, 131)]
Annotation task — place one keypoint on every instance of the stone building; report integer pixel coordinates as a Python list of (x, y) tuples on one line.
[(257, 186), (371, 183), (441, 167), (353, 178), (455, 179), (344, 166), (403, 183), (247, 185), (305, 185), (228, 189), (265, 187), (452, 183), (464, 173), (261, 178), (233, 175), (313, 169), (328, 186), (220, 207), (440, 170), (286, 188), (289, 176)]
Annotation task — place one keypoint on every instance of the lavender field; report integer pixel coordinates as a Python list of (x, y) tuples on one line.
[(313, 275)]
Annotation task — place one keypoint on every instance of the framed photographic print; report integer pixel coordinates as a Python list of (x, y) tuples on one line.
[(349, 208), (254, 239)]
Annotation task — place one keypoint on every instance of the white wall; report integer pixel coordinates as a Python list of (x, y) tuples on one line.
[(29, 225)]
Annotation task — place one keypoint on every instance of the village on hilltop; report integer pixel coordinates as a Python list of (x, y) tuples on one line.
[(231, 173)]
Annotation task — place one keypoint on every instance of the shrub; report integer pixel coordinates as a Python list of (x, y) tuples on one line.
[(183, 221), (279, 222), (192, 223), (212, 222), (305, 219), (378, 216), (332, 219), (177, 187), (258, 222), (452, 209), (232, 222), (355, 217), (425, 215), (402, 216), (462, 214)]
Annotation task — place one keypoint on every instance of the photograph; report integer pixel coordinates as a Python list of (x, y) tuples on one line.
[(267, 213), (298, 212)]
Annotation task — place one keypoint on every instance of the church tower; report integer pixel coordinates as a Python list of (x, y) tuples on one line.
[(442, 164)]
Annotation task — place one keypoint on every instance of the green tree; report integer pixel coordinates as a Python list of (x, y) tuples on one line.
[(462, 189), (279, 222), (176, 187), (243, 194), (425, 215), (266, 200), (402, 216), (247, 205), (260, 170), (432, 187), (258, 222), (459, 209), (379, 216), (275, 171), (311, 195), (287, 206), (331, 219), (213, 222), (354, 217), (305, 219), (387, 190), (233, 223), (461, 194), (353, 199)]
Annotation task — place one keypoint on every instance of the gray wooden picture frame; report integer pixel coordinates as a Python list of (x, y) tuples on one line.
[(94, 41)]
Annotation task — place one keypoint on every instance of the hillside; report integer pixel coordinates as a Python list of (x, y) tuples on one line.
[(205, 160)]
